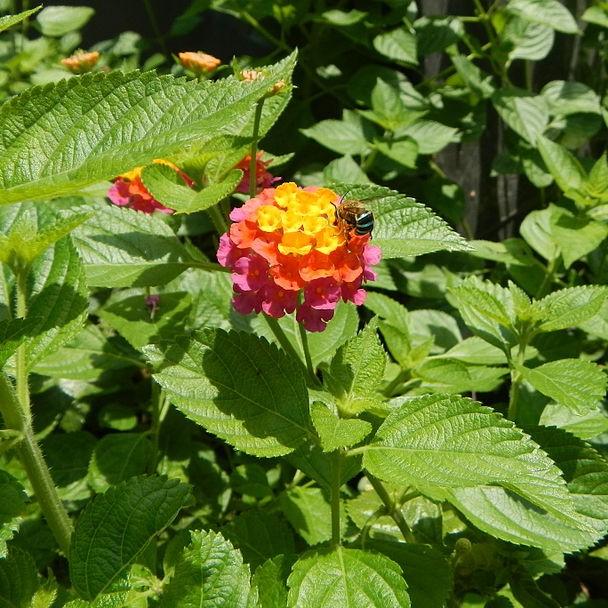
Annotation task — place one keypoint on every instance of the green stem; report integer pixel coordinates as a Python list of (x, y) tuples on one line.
[(23, 393), (393, 509), (253, 182), (551, 268), (335, 497), (35, 466), (516, 377), (217, 219), (154, 24), (286, 344), (307, 357), (159, 411)]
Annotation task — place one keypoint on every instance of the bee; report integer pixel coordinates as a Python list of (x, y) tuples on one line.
[(352, 215)]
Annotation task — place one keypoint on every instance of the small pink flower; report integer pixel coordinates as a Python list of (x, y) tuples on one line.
[(314, 319), (249, 273), (322, 293)]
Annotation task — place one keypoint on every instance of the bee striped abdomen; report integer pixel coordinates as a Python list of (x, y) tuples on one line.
[(364, 223)]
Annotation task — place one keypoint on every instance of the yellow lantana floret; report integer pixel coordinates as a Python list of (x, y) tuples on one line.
[(292, 221), (269, 218), (314, 223), (285, 195)]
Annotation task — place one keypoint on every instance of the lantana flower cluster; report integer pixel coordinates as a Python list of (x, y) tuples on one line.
[(263, 177), (128, 190), (288, 251)]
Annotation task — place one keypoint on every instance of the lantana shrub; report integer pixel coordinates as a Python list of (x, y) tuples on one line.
[(243, 367)]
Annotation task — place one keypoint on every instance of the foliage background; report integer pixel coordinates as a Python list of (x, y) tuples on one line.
[(444, 101)]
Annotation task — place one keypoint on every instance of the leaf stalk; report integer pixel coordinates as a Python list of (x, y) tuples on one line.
[(392, 508)]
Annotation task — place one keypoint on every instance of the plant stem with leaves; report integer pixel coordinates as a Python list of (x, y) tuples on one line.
[(16, 418), (15, 409)]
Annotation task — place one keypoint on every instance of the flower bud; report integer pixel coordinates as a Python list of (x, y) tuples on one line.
[(81, 61), (199, 62)]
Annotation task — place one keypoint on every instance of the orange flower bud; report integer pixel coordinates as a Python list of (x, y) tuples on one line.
[(199, 62), (81, 61)]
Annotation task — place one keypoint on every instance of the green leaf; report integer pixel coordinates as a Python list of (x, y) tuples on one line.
[(531, 41), (346, 578), (269, 583), (426, 571), (563, 166), (444, 375), (18, 579), (475, 79), (59, 20), (237, 386), (482, 309), (528, 593), (309, 513), (10, 20), (357, 370), (537, 230), (584, 469), (119, 456), (388, 309), (341, 136), (59, 143), (526, 114), (124, 248), (25, 244), (568, 307), (577, 384), (13, 333), (387, 105), (452, 448), (259, 535), (551, 13), (569, 97), (12, 506), (398, 45), (335, 432), (87, 356), (597, 15), (59, 299), (68, 456), (322, 345), (576, 235), (591, 425), (344, 170), (340, 18), (139, 325), (116, 527), (403, 151), (210, 573), (404, 227), (167, 186), (430, 136)]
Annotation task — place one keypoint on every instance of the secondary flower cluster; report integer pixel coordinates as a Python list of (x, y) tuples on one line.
[(128, 190), (288, 252), (263, 177)]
